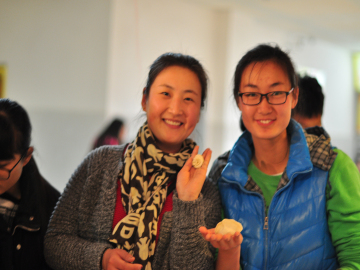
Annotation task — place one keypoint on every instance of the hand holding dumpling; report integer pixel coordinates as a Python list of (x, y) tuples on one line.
[(228, 226), (226, 234), (190, 179), (229, 244)]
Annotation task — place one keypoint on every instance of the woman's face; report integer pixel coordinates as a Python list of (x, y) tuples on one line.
[(173, 107), (11, 184), (265, 121)]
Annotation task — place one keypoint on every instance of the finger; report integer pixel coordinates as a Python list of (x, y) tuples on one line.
[(203, 230), (195, 151), (207, 156), (216, 237), (193, 154), (127, 257), (127, 265), (237, 238)]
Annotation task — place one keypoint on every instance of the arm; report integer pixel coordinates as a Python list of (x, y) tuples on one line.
[(228, 246), (78, 230), (192, 209), (343, 196)]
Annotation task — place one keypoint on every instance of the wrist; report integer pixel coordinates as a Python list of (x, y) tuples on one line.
[(187, 197)]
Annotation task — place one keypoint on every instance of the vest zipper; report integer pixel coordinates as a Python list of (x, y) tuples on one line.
[(266, 224), (266, 230)]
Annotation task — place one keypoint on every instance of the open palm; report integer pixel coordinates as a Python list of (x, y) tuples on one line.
[(190, 180)]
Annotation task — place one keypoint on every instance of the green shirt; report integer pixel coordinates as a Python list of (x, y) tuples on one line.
[(342, 206), (267, 183)]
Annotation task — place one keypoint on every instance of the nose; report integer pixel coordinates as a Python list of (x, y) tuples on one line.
[(264, 105), (175, 106)]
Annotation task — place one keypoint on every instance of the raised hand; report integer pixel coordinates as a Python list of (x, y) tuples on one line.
[(118, 259), (190, 180)]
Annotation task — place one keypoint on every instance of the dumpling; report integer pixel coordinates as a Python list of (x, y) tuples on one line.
[(228, 226), (198, 161)]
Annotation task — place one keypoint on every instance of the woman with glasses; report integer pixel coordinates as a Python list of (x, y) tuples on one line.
[(296, 196), (26, 198)]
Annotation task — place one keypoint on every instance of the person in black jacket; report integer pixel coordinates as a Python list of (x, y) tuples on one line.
[(26, 198)]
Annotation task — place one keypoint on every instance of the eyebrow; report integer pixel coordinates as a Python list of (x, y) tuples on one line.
[(166, 85), (172, 88), (255, 86)]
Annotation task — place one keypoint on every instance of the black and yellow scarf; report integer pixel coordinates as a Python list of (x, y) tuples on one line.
[(144, 179)]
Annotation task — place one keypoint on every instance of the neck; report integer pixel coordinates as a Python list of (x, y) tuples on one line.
[(271, 156)]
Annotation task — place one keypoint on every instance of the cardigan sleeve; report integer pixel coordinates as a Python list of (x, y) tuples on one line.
[(188, 249), (77, 234), (343, 208)]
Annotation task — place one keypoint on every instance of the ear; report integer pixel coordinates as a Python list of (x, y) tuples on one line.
[(143, 100), (28, 155), (295, 97)]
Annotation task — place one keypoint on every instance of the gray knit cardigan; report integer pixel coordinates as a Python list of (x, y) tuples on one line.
[(82, 220)]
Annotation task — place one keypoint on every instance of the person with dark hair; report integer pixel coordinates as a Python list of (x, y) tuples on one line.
[(140, 205), (26, 198), (295, 195), (112, 135), (309, 110)]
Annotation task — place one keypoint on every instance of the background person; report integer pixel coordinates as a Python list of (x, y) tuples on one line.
[(293, 193), (112, 135), (26, 198), (309, 110), (134, 196)]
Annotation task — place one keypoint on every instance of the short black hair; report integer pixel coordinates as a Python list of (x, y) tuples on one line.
[(177, 59), (311, 98), (15, 126), (263, 53)]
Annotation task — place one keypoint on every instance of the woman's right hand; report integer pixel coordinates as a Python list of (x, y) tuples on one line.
[(118, 259), (191, 180)]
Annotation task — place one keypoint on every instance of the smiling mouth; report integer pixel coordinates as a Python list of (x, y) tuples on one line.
[(265, 121), (174, 123)]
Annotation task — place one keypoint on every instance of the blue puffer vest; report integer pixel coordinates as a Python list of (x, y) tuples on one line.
[(295, 234)]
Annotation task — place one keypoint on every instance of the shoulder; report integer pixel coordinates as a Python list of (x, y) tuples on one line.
[(342, 162), (344, 175), (108, 150), (106, 155)]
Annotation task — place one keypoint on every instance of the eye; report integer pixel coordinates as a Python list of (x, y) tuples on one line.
[(189, 99), (165, 93), (250, 95), (277, 93)]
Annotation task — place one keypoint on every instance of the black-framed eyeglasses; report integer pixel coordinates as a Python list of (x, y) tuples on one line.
[(273, 98), (5, 174)]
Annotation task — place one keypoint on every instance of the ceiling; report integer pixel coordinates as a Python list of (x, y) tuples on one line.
[(337, 21)]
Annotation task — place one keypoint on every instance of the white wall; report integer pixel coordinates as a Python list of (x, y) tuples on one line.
[(56, 54), (74, 64), (140, 32)]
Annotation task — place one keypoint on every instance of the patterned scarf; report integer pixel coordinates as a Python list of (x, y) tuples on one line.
[(144, 179)]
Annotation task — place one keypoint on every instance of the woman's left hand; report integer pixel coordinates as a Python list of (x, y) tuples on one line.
[(190, 180)]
